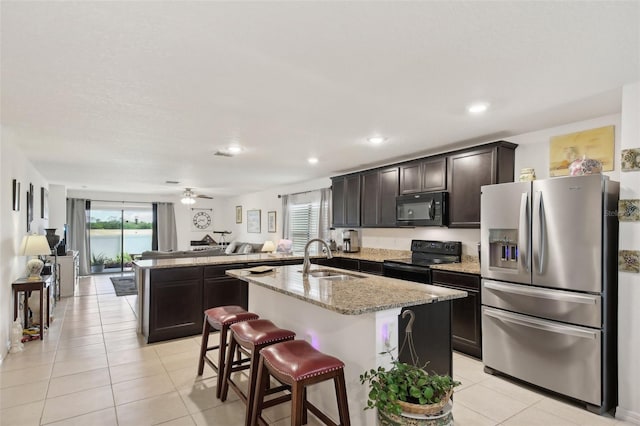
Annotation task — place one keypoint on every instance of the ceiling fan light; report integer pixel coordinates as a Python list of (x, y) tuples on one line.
[(234, 149), (188, 200)]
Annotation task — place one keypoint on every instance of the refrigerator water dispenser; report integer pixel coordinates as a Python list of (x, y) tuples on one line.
[(503, 248)]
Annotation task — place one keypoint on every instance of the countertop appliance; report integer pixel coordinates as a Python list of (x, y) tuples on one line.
[(428, 321), (549, 282), (422, 209), (350, 241)]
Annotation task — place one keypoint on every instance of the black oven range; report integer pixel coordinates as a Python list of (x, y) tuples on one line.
[(424, 253)]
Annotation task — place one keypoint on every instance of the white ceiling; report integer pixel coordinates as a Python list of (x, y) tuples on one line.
[(122, 96)]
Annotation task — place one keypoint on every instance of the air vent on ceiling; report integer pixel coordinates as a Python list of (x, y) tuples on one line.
[(172, 182), (223, 154)]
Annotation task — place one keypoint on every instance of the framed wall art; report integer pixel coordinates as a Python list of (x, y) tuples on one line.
[(596, 144), (629, 261), (630, 160), (629, 210), (44, 203), (29, 207), (253, 221), (238, 214), (16, 195), (271, 221), (201, 219)]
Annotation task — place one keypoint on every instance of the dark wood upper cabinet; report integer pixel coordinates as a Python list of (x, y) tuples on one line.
[(424, 175), (410, 178), (346, 200), (337, 200), (367, 198), (379, 189), (434, 174), (468, 171)]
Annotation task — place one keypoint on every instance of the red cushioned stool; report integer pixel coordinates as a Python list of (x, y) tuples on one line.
[(251, 336), (219, 319), (298, 364)]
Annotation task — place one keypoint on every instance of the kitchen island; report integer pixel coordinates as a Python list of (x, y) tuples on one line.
[(174, 293), (354, 318)]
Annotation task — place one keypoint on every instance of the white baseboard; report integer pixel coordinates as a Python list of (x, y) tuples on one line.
[(627, 415)]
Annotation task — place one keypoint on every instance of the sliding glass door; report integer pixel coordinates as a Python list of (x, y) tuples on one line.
[(117, 233)]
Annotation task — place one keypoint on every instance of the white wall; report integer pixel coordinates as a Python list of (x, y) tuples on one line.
[(628, 283), (265, 201), (13, 225), (533, 148)]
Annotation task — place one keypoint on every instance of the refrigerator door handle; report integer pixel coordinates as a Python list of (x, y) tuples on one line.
[(524, 231), (541, 294), (538, 324), (542, 232)]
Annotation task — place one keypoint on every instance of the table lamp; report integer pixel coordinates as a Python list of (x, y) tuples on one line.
[(34, 245), (268, 247)]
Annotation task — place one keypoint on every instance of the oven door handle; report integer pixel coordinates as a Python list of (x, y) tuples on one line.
[(407, 268)]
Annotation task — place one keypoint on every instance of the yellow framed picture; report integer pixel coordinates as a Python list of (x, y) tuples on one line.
[(596, 144)]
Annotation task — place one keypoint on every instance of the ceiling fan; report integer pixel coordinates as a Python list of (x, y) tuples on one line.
[(189, 196)]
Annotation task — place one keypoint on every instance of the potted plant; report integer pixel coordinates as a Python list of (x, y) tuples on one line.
[(97, 262), (406, 388)]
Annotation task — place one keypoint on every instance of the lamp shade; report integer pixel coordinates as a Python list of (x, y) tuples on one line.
[(34, 245), (268, 246)]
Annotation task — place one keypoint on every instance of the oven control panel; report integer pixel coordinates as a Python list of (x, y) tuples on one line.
[(453, 248)]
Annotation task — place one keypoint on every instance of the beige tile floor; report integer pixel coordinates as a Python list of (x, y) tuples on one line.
[(94, 369)]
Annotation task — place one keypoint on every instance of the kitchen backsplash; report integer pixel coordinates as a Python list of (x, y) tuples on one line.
[(400, 238)]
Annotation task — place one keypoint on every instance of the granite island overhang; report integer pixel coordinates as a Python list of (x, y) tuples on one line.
[(355, 319)]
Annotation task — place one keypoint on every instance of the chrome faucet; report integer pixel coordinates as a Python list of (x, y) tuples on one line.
[(306, 265)]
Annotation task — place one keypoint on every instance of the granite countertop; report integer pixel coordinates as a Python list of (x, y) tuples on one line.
[(469, 265), (364, 294), (218, 260)]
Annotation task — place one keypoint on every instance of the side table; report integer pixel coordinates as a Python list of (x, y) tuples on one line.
[(26, 285)]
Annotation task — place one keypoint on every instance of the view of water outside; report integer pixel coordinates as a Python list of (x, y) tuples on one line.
[(106, 233)]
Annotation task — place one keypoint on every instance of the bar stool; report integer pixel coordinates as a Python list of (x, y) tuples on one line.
[(251, 336), (298, 364), (219, 319)]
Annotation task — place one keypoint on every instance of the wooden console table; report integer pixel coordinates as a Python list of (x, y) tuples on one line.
[(26, 285)]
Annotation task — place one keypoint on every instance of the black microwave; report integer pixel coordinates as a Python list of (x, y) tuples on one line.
[(422, 209)]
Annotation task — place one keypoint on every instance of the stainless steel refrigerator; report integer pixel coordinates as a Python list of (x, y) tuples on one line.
[(549, 285)]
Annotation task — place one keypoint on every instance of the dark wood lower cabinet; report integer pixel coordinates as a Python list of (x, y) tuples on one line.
[(175, 303), (177, 298), (366, 266), (466, 325), (221, 289)]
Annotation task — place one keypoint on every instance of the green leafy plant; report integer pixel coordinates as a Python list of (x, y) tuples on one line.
[(404, 382), (98, 259)]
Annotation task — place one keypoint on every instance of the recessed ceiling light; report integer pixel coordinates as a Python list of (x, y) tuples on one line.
[(312, 160), (478, 107), (376, 139)]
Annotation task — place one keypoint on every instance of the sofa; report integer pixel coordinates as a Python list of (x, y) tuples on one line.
[(234, 248)]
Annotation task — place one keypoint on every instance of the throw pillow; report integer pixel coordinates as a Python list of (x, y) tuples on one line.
[(245, 249), (231, 247)]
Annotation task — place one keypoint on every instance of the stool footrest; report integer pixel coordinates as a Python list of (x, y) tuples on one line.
[(319, 414)]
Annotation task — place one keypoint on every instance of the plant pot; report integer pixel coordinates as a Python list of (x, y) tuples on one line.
[(96, 269), (443, 418), (426, 409)]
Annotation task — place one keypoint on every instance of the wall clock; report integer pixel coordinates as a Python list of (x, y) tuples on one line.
[(201, 219)]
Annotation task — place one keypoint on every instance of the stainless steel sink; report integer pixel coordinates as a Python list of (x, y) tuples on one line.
[(333, 275)]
